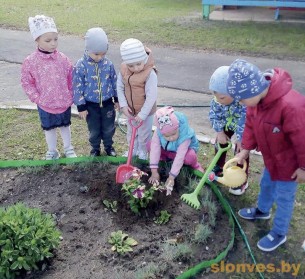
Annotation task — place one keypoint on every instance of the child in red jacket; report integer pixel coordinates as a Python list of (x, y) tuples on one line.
[(275, 125)]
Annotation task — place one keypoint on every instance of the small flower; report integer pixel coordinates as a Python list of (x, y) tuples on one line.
[(137, 173), (159, 187), (139, 192)]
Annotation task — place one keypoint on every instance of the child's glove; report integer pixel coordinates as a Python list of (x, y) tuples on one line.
[(169, 185)]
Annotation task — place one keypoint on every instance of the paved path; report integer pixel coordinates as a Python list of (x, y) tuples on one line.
[(183, 75)]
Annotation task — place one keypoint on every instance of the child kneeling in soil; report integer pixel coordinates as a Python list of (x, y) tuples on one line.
[(173, 139)]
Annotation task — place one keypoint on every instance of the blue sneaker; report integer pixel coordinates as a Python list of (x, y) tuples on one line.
[(271, 241), (253, 214)]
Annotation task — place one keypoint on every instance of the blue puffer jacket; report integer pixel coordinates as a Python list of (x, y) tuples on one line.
[(185, 132), (93, 81), (228, 117)]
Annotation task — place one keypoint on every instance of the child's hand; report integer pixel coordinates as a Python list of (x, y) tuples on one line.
[(116, 106), (127, 111), (155, 177), (169, 184), (221, 138), (238, 147), (138, 119), (242, 155), (83, 114), (299, 175)]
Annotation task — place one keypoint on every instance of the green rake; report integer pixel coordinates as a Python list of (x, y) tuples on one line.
[(192, 198)]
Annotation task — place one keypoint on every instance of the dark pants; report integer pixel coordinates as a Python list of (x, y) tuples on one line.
[(101, 124), (222, 159)]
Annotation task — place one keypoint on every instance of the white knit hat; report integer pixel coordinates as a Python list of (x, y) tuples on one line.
[(132, 51), (218, 81), (96, 40), (40, 25)]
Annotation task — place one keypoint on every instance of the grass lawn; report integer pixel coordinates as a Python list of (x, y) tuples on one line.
[(172, 23)]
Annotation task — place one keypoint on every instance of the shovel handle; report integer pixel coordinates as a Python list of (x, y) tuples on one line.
[(133, 135)]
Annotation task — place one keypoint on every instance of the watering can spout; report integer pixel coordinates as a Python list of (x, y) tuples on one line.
[(220, 180)]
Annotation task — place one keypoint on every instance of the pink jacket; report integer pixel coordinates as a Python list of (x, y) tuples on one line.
[(47, 81), (276, 126)]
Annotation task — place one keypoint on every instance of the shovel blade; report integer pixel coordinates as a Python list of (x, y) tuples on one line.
[(123, 173)]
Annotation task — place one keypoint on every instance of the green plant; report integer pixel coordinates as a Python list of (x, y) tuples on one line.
[(176, 252), (202, 233), (27, 236), (151, 271), (138, 194), (121, 242), (163, 218), (210, 208), (111, 205)]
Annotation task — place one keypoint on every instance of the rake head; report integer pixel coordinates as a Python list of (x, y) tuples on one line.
[(191, 199)]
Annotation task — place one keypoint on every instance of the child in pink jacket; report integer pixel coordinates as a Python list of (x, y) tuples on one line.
[(173, 139), (46, 77)]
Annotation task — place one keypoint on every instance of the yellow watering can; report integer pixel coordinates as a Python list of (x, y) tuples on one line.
[(233, 176)]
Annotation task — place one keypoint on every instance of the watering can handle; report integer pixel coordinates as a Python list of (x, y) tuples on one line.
[(233, 161)]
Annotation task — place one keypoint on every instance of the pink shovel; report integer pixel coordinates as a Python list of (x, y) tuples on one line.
[(124, 171)]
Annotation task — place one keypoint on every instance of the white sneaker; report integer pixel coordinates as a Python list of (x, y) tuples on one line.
[(70, 153), (125, 154), (52, 155), (143, 155), (239, 190)]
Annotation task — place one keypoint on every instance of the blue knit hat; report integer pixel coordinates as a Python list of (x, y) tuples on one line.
[(218, 80), (245, 80)]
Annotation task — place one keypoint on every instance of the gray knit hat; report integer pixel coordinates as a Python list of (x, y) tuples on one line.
[(96, 40), (218, 81), (132, 51)]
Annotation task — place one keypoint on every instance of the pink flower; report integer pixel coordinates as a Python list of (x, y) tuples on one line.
[(139, 192), (137, 173)]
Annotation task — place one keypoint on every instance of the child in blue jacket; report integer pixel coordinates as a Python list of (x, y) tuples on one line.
[(227, 117), (95, 94)]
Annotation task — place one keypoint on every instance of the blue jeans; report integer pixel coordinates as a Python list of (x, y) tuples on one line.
[(101, 124), (282, 193)]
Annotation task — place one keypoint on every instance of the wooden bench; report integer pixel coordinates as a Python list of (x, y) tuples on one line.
[(206, 4)]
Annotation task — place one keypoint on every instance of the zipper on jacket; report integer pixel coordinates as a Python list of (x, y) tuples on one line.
[(165, 148), (132, 107), (99, 85)]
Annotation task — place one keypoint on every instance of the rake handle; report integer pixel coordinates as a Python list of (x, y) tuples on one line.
[(211, 166)]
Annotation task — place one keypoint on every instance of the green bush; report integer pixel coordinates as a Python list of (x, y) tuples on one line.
[(27, 237)]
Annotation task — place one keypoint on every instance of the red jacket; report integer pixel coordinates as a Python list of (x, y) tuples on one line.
[(276, 127)]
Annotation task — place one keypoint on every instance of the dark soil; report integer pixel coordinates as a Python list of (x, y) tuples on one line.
[(86, 223)]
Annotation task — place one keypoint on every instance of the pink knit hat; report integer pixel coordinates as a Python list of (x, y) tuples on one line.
[(166, 120)]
